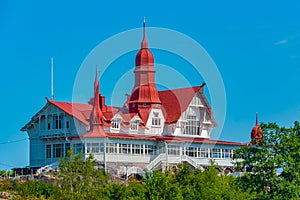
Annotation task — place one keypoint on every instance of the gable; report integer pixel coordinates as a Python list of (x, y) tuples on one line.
[(175, 102), (79, 111)]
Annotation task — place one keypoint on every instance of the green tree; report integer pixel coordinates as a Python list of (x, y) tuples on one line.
[(275, 163), (36, 189), (161, 185), (135, 190), (208, 184), (79, 179)]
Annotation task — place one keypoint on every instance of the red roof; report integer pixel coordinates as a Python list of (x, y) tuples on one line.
[(174, 103), (96, 132), (79, 111), (145, 94)]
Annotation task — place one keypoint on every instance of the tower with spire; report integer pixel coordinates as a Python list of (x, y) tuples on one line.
[(144, 93)]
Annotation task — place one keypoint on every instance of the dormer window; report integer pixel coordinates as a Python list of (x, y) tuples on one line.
[(134, 125), (156, 119), (116, 123)]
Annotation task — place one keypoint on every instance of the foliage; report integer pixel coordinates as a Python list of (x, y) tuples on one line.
[(5, 185), (208, 184), (160, 185), (4, 173), (79, 179), (275, 162), (31, 189)]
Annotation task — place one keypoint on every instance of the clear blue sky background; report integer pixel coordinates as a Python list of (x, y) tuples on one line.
[(256, 46)]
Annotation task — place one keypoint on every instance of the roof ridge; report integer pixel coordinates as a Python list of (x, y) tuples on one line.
[(193, 87)]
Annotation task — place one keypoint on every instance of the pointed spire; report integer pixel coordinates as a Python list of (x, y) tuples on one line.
[(144, 43), (96, 84), (96, 115), (144, 28), (256, 123)]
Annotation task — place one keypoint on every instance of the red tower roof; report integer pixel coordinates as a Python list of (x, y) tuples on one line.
[(145, 94), (144, 56), (144, 91), (96, 119)]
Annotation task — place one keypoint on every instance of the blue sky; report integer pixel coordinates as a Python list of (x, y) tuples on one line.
[(255, 45)]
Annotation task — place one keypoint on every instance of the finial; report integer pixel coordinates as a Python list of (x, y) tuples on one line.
[(144, 28), (144, 43), (256, 118)]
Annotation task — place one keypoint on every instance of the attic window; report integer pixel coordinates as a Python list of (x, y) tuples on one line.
[(192, 125), (134, 125), (156, 119), (116, 123)]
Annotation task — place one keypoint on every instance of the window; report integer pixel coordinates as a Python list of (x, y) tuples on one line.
[(111, 148), (78, 148), (173, 150), (116, 123), (125, 148), (67, 124), (227, 153), (191, 151), (49, 126), (155, 119), (203, 152), (57, 121), (48, 151), (58, 150), (134, 125), (95, 148), (67, 147), (215, 153), (42, 122), (137, 149), (192, 125), (150, 149)]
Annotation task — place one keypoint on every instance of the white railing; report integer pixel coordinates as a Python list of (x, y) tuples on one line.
[(135, 170), (155, 161), (48, 168), (190, 160), (195, 162)]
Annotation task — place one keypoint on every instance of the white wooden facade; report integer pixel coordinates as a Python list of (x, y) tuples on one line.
[(52, 132)]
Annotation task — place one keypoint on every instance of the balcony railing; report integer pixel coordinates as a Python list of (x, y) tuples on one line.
[(56, 133)]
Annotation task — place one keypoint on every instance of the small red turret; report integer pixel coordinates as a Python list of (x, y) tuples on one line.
[(96, 118), (256, 133)]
